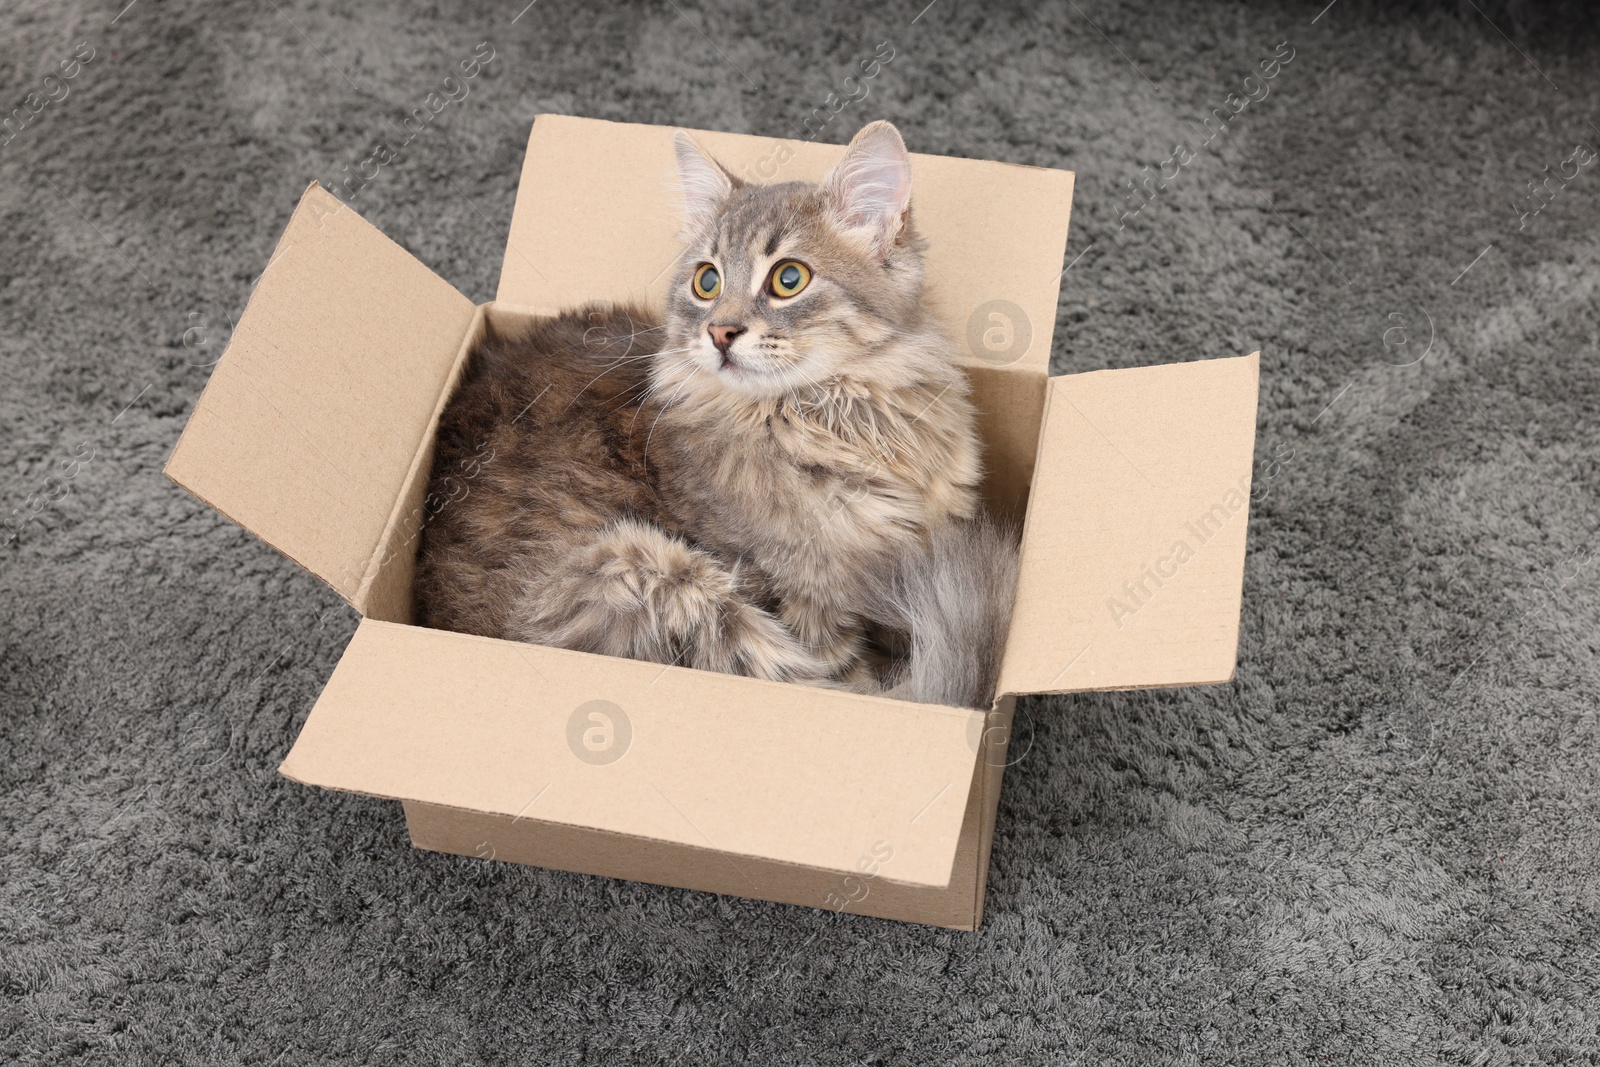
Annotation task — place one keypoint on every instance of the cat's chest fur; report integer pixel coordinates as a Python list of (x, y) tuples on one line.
[(819, 495)]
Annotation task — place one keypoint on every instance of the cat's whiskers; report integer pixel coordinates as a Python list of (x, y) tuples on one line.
[(655, 387), (618, 362), (613, 365), (634, 332), (646, 453)]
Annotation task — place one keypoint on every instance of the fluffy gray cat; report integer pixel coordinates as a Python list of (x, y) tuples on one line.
[(779, 479)]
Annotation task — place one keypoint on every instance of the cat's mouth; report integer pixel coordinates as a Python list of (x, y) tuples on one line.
[(751, 374), (729, 365), (743, 377)]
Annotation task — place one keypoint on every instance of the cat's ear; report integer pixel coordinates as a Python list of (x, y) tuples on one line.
[(702, 181), (870, 189)]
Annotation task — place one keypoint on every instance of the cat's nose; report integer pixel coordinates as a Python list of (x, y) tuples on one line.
[(722, 336)]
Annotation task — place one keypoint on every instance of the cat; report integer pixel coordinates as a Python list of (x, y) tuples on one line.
[(775, 479)]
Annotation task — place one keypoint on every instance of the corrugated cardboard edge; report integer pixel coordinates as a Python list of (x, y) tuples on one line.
[(640, 839)]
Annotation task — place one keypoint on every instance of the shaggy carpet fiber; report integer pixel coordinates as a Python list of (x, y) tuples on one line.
[(1378, 845)]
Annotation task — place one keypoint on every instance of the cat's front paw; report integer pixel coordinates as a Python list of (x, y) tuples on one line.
[(744, 639)]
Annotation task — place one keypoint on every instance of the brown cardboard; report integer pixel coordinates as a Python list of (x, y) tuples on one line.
[(709, 760), (864, 890), (1133, 552), (316, 433), (313, 416)]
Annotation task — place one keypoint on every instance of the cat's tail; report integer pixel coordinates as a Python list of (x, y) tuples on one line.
[(954, 599)]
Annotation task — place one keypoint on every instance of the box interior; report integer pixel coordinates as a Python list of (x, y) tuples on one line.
[(1009, 404)]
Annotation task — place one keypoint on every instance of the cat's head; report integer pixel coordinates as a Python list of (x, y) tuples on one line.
[(784, 286)]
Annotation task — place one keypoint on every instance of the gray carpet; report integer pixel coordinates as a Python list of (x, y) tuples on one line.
[(1378, 845)]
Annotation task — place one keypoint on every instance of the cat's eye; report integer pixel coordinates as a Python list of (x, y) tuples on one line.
[(707, 282), (789, 277)]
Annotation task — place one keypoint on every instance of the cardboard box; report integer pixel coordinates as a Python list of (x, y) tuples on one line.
[(316, 434)]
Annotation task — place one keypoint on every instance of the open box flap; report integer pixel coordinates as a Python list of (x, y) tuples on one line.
[(312, 418), (781, 772), (597, 216), (1133, 550)]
